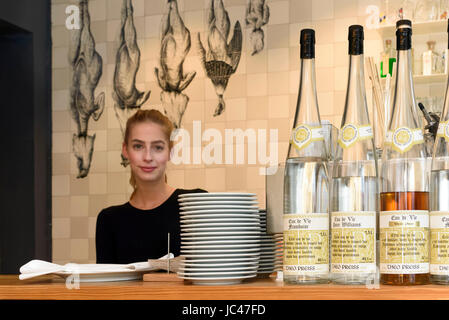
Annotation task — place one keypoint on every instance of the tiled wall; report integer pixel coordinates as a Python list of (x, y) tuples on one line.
[(262, 94)]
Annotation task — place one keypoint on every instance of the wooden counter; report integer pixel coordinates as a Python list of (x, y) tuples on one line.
[(53, 288)]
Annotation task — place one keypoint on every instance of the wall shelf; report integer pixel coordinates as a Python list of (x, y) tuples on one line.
[(434, 78), (388, 31)]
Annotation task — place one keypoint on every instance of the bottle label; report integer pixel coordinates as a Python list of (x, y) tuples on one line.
[(303, 135), (443, 130), (439, 243), (353, 242), (306, 244), (351, 133), (404, 241), (403, 139)]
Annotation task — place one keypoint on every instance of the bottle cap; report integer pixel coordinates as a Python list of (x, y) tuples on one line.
[(355, 37), (404, 35), (307, 41)]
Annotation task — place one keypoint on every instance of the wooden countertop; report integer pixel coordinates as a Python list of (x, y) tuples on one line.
[(53, 288)]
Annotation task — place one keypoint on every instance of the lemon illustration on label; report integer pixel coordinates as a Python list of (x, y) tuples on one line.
[(303, 135), (443, 130), (403, 138), (351, 133)]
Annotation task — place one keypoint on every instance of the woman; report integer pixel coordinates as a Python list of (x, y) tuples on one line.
[(137, 230)]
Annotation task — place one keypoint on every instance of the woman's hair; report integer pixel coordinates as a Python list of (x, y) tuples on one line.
[(151, 116)]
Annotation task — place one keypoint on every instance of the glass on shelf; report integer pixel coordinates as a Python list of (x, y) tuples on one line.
[(427, 10), (444, 9), (431, 61)]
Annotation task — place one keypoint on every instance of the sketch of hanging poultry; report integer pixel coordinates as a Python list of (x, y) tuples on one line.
[(175, 45), (221, 59), (126, 96), (87, 68), (257, 15)]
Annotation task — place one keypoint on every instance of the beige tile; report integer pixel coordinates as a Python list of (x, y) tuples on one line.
[(282, 126), (294, 57), (345, 8), (341, 57), (257, 108), (60, 36), (194, 112), (99, 32), (339, 103), (116, 199), (196, 90), (61, 228), (61, 79), (278, 83), (92, 251), (96, 204), (278, 60), (195, 20), (97, 183), (236, 86), (102, 122), (215, 179), (113, 9), (61, 250), (194, 5), (277, 36), (79, 250), (322, 9), (342, 27), (117, 183), (254, 179), (300, 11), (99, 162), (114, 160), (279, 12), (340, 78), (154, 7), (278, 106), (257, 84), (194, 178), (60, 207), (324, 79), (58, 15), (326, 103), (257, 63), (236, 109), (79, 187), (79, 206), (61, 100), (61, 185), (294, 81), (60, 57), (61, 121), (324, 55), (324, 31), (295, 31), (97, 10), (236, 178), (62, 142), (61, 163), (176, 178), (152, 26), (114, 140), (79, 228)]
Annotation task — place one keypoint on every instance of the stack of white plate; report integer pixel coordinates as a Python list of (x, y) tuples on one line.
[(220, 237), (270, 250)]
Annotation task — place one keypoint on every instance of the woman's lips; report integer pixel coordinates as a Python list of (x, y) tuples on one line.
[(148, 169)]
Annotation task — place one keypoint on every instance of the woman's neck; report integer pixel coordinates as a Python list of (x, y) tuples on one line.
[(149, 196)]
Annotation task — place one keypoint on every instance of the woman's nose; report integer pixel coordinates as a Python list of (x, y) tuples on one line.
[(147, 156)]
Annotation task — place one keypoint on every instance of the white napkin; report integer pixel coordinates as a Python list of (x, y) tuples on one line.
[(36, 268)]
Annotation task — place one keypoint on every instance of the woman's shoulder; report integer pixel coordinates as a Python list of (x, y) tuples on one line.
[(109, 212)]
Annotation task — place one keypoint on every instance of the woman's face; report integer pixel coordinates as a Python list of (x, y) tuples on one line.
[(147, 150)]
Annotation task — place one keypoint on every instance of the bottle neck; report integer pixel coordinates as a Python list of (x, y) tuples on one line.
[(307, 111), (404, 98), (356, 110)]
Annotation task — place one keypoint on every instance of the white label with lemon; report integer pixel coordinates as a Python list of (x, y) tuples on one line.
[(351, 133), (443, 130), (403, 139), (303, 135)]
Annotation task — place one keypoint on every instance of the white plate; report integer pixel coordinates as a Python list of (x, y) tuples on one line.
[(216, 265), (231, 255), (187, 269), (216, 246), (216, 274), (216, 234), (214, 194), (238, 238), (215, 206), (219, 229), (126, 275), (254, 259), (222, 251), (218, 211), (220, 242), (220, 220), (219, 216), (213, 199), (221, 224), (217, 281), (246, 203)]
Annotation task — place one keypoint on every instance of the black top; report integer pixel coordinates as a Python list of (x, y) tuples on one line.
[(307, 41), (126, 234)]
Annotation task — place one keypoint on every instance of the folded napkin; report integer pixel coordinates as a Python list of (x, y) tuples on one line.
[(36, 268)]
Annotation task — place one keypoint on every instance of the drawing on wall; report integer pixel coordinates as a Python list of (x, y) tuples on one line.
[(257, 15), (87, 67), (221, 58), (175, 45), (126, 96)]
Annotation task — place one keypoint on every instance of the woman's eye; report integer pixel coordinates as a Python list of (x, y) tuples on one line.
[(137, 146), (159, 148)]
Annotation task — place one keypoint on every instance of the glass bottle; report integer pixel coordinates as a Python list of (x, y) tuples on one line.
[(306, 199), (439, 200), (404, 210), (355, 180), (427, 10), (430, 60), (387, 60)]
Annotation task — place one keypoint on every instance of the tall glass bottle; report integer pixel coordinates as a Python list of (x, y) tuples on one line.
[(306, 217), (439, 200), (404, 211), (354, 201)]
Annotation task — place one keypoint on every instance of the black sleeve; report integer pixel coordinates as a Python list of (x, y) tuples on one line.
[(104, 240)]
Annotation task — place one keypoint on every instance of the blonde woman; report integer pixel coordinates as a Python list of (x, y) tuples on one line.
[(137, 230)]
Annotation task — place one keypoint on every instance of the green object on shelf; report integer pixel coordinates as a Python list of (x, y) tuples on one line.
[(391, 62)]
